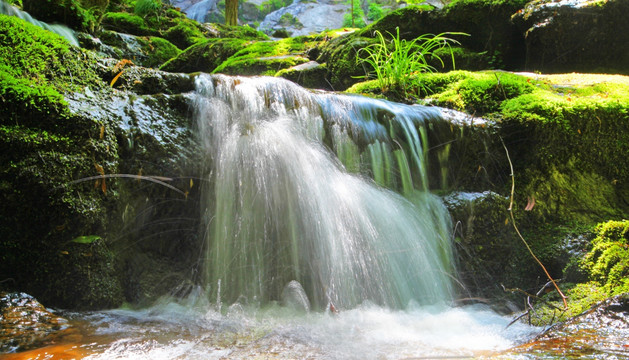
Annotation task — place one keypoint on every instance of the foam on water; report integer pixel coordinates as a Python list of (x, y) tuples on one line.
[(179, 331)]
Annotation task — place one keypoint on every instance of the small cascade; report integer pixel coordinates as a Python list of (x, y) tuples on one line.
[(200, 10), (282, 207), (61, 30)]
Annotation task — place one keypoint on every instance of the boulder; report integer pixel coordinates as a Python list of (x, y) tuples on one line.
[(581, 36), (600, 332), (27, 324)]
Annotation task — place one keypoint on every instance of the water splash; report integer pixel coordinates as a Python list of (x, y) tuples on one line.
[(283, 208), (61, 30), (187, 330)]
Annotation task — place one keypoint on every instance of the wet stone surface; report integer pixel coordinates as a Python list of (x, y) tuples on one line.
[(599, 333), (27, 324)]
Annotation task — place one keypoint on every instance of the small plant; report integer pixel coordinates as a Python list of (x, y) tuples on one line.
[(396, 64), (147, 7), (356, 17)]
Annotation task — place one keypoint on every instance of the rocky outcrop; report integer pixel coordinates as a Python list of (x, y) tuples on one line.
[(26, 324), (582, 36), (599, 332)]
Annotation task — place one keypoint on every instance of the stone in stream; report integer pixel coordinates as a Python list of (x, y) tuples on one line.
[(26, 324)]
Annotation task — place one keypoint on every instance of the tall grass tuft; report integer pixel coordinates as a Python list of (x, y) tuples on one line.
[(147, 7), (396, 63)]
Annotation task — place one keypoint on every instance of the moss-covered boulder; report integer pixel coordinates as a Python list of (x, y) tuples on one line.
[(342, 59), (607, 262), (124, 22), (63, 124), (487, 22), (82, 15), (484, 239), (184, 34), (311, 75), (583, 36), (205, 56), (149, 51)]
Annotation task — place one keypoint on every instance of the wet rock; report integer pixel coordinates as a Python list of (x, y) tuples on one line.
[(311, 75), (484, 238), (147, 51), (145, 81), (294, 297), (576, 35), (205, 56), (598, 333), (309, 17), (26, 324)]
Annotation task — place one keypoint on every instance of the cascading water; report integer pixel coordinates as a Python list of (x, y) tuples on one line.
[(300, 215), (61, 30), (282, 208)]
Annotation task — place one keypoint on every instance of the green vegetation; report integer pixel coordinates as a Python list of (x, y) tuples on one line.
[(396, 69), (126, 23), (267, 57), (356, 17), (159, 51), (184, 35), (269, 6), (607, 263), (288, 19), (147, 7), (31, 61), (602, 272), (82, 15), (204, 56)]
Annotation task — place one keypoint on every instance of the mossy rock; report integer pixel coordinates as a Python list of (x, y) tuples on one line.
[(82, 15), (575, 36), (607, 262), (484, 239), (221, 30), (84, 276), (184, 35), (267, 57), (149, 51), (27, 87), (310, 75), (487, 22), (205, 56), (342, 58), (158, 51), (127, 23), (259, 66)]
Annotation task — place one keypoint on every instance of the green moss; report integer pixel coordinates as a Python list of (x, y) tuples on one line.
[(82, 15), (205, 56), (341, 57), (126, 23), (35, 67), (159, 51), (608, 261), (184, 35), (237, 32), (259, 66), (606, 267), (267, 57)]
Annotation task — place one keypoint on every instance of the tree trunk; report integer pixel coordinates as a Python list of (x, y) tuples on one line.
[(231, 12)]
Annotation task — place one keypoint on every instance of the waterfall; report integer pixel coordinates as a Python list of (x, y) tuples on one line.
[(61, 30), (299, 189)]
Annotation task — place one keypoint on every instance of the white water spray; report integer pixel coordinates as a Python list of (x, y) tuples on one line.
[(283, 208)]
